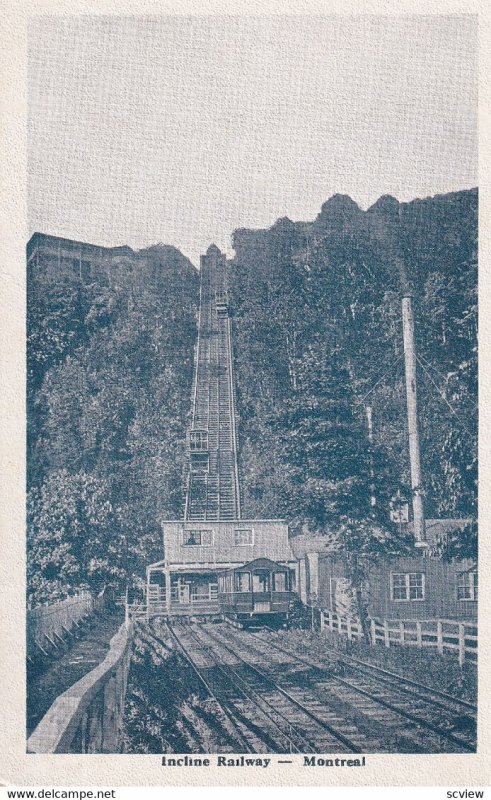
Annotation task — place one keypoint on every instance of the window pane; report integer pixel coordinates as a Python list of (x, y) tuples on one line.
[(467, 586), (243, 536), (198, 538), (416, 586), (260, 583), (242, 582), (280, 582), (399, 588), (463, 593), (192, 538)]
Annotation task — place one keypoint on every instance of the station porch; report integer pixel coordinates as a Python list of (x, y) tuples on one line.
[(180, 591)]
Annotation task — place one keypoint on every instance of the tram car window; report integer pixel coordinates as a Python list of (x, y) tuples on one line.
[(260, 582), (256, 593), (242, 582)]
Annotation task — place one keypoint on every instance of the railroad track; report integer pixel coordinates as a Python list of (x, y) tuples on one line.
[(267, 717), (341, 727), (404, 684), (435, 715)]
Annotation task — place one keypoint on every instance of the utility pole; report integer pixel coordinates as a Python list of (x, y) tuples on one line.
[(373, 498), (412, 405)]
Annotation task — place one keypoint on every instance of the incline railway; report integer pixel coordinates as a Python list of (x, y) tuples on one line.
[(266, 716), (281, 701), (218, 564), (213, 487)]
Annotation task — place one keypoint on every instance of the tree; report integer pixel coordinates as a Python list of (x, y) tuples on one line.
[(69, 547), (332, 281), (327, 459), (460, 543), (107, 416)]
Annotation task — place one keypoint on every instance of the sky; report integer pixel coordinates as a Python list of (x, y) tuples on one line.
[(181, 129)]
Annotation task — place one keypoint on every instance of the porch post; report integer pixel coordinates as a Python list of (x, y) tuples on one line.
[(167, 574), (148, 593)]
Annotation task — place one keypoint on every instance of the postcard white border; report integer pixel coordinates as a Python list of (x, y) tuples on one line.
[(18, 768)]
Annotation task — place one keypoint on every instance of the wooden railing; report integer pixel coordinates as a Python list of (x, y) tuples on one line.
[(158, 607), (442, 634), (87, 718), (46, 624)]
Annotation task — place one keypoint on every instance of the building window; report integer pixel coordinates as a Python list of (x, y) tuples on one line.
[(467, 586), (242, 582), (244, 536), (407, 585), (195, 538)]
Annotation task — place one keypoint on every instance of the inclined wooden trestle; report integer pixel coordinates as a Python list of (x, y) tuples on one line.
[(213, 486)]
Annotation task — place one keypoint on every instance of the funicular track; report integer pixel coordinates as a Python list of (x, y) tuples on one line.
[(435, 716), (213, 492), (267, 717)]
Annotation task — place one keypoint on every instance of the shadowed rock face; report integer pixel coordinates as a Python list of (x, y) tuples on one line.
[(385, 204), (339, 205)]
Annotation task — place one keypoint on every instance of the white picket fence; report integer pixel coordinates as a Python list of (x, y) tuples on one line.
[(442, 634)]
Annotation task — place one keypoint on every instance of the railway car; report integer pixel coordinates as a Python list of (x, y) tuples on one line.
[(255, 593)]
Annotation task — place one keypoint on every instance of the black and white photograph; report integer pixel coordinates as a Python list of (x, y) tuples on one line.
[(252, 387)]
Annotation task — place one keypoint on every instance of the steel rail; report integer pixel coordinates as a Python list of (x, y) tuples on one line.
[(247, 691), (375, 668), (336, 734), (210, 691), (385, 703)]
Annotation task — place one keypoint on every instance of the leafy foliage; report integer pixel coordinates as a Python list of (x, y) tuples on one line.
[(319, 338), (108, 397), (317, 347)]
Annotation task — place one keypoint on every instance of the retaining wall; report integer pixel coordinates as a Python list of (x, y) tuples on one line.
[(87, 718)]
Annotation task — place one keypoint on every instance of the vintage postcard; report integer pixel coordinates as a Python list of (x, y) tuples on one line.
[(241, 298)]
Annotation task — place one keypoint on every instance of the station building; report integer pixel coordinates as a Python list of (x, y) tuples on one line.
[(196, 552), (419, 586)]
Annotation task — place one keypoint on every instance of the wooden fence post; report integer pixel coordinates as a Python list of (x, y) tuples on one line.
[(386, 633), (322, 621), (401, 632), (419, 638), (373, 632), (348, 627), (439, 636), (461, 643)]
